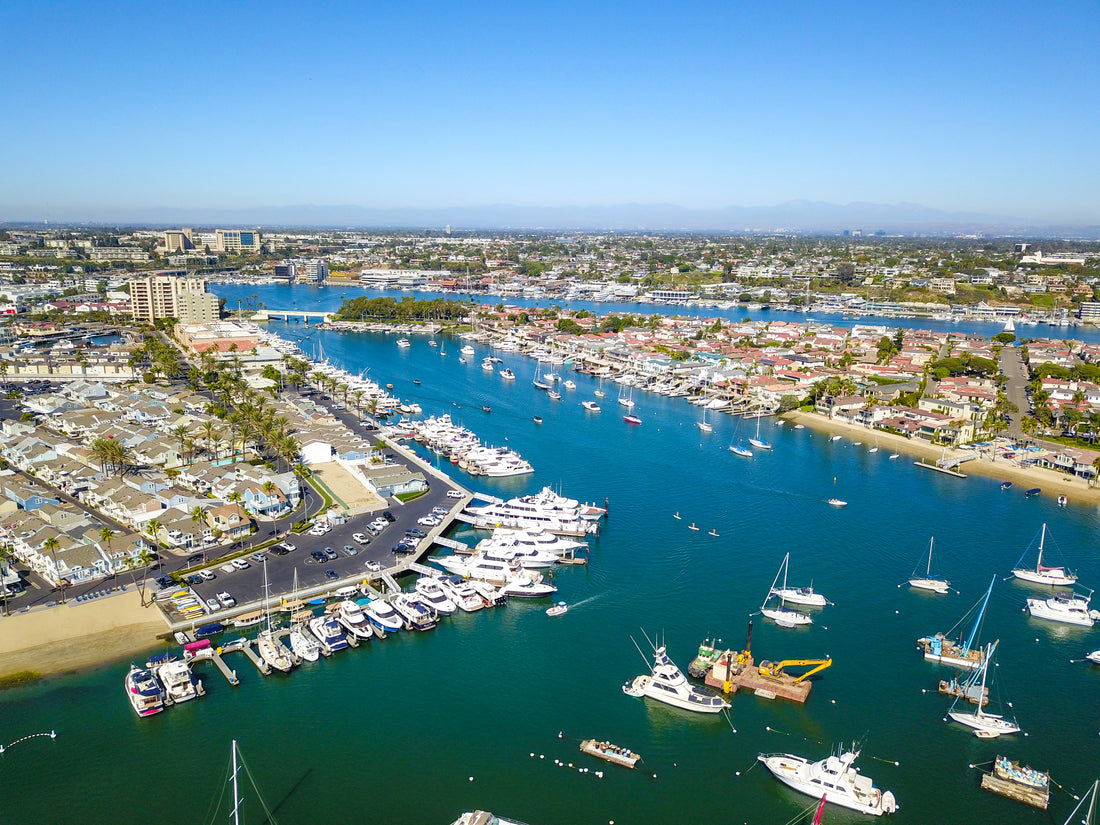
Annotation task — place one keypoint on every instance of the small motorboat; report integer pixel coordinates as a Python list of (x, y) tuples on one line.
[(1006, 485), (632, 419), (537, 419), (416, 381), (1034, 491), (558, 609), (836, 502), (486, 408), (1062, 501), (894, 455)]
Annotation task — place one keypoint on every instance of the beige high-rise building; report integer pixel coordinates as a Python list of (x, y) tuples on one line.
[(172, 295), (178, 240), (237, 240)]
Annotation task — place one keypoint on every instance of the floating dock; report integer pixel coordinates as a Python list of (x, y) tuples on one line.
[(1023, 784), (610, 753), (945, 470)]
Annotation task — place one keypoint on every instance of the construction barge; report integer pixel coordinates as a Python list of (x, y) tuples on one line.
[(732, 671), (610, 753), (1027, 785)]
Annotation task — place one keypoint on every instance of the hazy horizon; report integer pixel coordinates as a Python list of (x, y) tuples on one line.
[(126, 111)]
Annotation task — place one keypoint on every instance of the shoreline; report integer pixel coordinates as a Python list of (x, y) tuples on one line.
[(1051, 482), (110, 630)]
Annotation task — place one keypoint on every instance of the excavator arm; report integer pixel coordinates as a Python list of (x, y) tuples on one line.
[(776, 668)]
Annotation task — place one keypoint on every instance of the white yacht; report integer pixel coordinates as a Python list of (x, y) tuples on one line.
[(467, 350), (667, 684), (1064, 607), (523, 588), (180, 684), (524, 540), (798, 595), (497, 572), (507, 374), (460, 592), (403, 343), (511, 552), (429, 590), (833, 779), (328, 633), (303, 645), (591, 406), (351, 618), (415, 611), (1055, 576), (144, 691), (781, 614), (381, 614), (985, 725)]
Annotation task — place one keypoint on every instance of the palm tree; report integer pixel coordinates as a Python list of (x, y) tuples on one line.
[(209, 432), (105, 535), (198, 514), (358, 396), (51, 544)]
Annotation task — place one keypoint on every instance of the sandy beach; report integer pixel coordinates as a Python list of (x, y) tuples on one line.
[(77, 636), (357, 497), (1051, 482)]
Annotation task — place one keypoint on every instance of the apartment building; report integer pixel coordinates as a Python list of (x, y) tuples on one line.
[(173, 295)]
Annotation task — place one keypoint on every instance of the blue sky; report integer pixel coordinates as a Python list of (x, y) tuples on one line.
[(112, 108)]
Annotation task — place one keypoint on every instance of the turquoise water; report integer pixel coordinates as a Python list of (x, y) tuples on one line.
[(396, 730)]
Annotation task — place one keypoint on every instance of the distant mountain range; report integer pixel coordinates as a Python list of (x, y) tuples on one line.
[(795, 216)]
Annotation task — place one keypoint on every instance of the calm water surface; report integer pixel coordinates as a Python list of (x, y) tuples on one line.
[(396, 730)]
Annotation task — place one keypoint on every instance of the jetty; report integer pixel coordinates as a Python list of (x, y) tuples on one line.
[(950, 471), (1027, 785), (610, 753)]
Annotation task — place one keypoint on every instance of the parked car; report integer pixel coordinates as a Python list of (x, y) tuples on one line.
[(439, 511), (289, 546), (213, 604), (415, 532), (373, 566), (164, 581), (317, 555), (206, 575), (428, 521), (388, 516), (226, 600), (331, 574), (241, 564), (454, 494), (351, 551), (259, 558), (193, 580), (277, 550), (359, 537), (330, 554)]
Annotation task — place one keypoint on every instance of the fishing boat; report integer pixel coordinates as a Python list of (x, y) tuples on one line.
[(610, 753), (758, 442), (928, 581), (834, 778), (782, 615), (560, 609), (632, 419), (1054, 576), (1064, 607), (948, 651), (798, 595), (985, 725), (144, 691), (667, 684)]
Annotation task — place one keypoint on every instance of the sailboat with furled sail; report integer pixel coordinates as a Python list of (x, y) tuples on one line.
[(985, 725), (783, 615), (941, 648), (929, 581), (1055, 576)]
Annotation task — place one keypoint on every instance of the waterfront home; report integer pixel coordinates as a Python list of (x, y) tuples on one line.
[(1077, 462)]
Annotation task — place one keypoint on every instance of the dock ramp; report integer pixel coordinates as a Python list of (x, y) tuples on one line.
[(424, 570), (451, 544)]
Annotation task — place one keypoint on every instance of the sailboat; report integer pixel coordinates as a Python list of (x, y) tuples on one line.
[(939, 648), (268, 646), (798, 595), (1090, 795), (782, 615), (704, 425), (758, 442), (875, 448), (1054, 576), (541, 383), (986, 725), (627, 400), (928, 581), (302, 644)]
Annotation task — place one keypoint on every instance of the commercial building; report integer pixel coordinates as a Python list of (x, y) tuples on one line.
[(178, 240), (172, 295), (316, 271), (237, 240)]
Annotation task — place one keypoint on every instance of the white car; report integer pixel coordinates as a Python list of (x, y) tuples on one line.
[(212, 605), (241, 564), (373, 566), (206, 575), (428, 521), (454, 494), (289, 546), (360, 537), (226, 599)]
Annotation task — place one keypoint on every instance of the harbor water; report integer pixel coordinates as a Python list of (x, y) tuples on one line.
[(480, 712)]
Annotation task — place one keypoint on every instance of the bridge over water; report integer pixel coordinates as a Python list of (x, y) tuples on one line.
[(292, 314)]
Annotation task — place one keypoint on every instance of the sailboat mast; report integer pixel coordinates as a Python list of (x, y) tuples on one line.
[(981, 690), (928, 572), (236, 796), (1042, 539), (978, 621)]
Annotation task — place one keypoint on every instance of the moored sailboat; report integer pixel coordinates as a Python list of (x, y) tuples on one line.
[(985, 725), (928, 581), (1055, 576), (782, 615)]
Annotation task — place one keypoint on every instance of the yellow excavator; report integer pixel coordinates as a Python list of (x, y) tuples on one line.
[(774, 670)]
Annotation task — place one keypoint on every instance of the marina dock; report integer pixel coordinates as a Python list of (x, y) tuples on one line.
[(945, 470), (610, 753), (260, 664)]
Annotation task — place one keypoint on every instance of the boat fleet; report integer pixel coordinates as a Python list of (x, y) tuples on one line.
[(463, 448)]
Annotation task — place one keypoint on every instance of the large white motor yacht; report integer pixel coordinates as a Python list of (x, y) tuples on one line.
[(381, 614), (460, 592), (180, 684), (1064, 607), (667, 684), (351, 617), (833, 778), (432, 594)]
